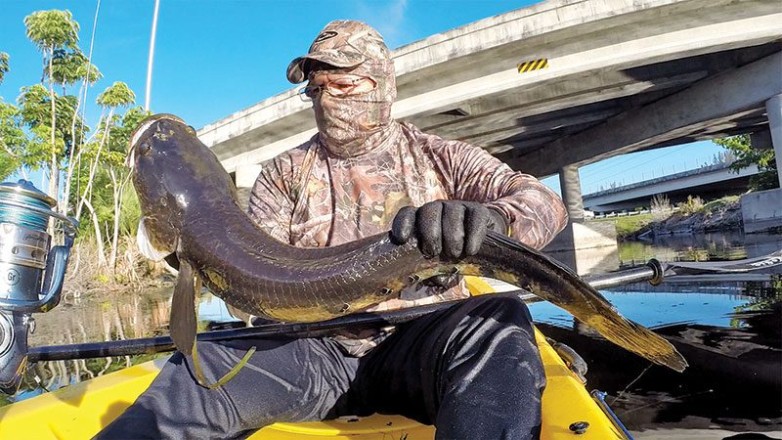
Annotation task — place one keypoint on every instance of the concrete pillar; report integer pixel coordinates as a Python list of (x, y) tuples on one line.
[(761, 140), (245, 179), (774, 111), (570, 183), (584, 247)]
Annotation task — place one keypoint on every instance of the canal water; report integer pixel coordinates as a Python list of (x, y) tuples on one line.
[(728, 327)]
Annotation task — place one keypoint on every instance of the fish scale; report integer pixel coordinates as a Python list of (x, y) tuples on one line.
[(264, 277)]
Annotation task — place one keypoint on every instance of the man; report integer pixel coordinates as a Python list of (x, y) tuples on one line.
[(472, 369)]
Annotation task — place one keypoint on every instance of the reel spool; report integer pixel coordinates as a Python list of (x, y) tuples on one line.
[(31, 271)]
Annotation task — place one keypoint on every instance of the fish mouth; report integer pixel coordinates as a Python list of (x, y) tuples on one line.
[(130, 160)]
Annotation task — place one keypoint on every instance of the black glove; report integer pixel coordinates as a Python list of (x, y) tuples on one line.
[(447, 228)]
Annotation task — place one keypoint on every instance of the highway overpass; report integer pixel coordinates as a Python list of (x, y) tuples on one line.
[(709, 182)]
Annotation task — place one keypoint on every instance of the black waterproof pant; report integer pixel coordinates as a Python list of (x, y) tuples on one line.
[(473, 370)]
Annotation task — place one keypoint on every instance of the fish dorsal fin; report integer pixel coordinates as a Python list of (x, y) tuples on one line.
[(183, 316), (183, 325)]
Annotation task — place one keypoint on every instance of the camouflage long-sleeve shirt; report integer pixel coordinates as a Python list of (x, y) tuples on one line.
[(308, 197)]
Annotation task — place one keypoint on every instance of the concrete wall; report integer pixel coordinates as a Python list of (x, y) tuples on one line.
[(586, 248), (762, 210)]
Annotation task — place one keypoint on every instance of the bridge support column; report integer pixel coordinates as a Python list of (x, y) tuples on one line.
[(570, 183), (245, 179), (585, 248), (762, 210), (774, 111)]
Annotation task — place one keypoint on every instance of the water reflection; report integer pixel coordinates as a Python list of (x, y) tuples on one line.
[(95, 318), (730, 245)]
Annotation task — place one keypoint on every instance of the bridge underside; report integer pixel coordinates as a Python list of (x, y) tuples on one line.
[(584, 119)]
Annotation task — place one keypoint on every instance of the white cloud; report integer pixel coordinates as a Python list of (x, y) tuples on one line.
[(387, 17)]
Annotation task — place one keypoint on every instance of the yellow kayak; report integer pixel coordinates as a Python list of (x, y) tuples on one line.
[(79, 411)]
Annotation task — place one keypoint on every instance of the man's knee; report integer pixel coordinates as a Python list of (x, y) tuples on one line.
[(506, 308)]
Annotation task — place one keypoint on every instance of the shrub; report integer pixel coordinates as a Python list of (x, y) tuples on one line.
[(691, 206)]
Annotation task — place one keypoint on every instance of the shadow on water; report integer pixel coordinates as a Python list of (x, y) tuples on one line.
[(729, 328), (734, 380)]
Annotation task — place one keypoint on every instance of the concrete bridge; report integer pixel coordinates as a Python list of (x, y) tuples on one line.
[(618, 76), (713, 181)]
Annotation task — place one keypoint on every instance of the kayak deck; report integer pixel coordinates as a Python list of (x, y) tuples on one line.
[(81, 410)]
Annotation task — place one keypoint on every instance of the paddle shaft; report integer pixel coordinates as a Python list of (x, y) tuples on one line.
[(652, 272)]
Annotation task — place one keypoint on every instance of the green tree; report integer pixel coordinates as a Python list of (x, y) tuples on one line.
[(54, 33), (46, 130), (747, 156), (105, 165), (36, 113)]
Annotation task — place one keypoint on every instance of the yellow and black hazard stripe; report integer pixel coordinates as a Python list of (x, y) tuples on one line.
[(529, 66)]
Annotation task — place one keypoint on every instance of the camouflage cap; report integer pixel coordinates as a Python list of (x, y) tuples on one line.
[(343, 44)]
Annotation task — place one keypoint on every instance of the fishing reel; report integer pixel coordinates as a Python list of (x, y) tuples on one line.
[(31, 273)]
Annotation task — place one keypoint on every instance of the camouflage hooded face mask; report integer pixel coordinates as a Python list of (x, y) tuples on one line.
[(353, 124)]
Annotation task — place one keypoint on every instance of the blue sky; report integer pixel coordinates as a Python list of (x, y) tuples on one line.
[(214, 58)]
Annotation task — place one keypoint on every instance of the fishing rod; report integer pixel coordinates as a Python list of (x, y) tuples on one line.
[(654, 271)]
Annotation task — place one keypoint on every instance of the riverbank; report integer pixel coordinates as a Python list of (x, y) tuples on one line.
[(695, 217), (88, 273), (691, 217)]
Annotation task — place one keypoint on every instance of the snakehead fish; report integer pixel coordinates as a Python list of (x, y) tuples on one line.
[(189, 207)]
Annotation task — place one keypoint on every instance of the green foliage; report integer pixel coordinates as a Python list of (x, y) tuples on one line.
[(631, 224), (720, 203), (36, 113), (71, 67), (3, 65), (117, 95), (691, 206), (110, 158), (50, 30), (746, 156), (131, 212), (12, 139)]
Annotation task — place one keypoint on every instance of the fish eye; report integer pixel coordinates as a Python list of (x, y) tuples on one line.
[(144, 148)]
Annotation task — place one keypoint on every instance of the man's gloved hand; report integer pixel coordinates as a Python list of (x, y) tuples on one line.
[(447, 228)]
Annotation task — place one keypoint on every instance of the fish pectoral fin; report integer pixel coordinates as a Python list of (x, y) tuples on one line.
[(183, 316), (239, 314), (145, 245), (183, 325)]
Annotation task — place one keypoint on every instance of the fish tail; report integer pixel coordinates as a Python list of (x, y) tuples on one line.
[(525, 267), (637, 339)]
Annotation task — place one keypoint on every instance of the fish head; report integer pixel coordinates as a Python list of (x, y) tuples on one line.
[(173, 172)]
